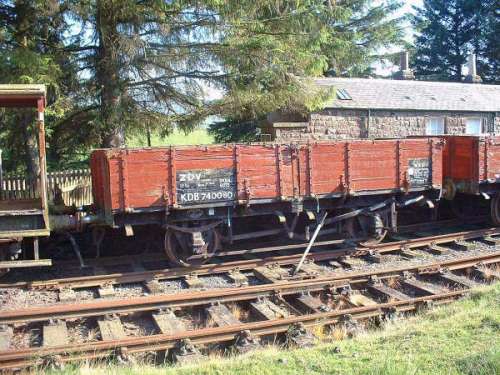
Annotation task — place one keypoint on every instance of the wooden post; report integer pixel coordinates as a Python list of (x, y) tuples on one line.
[(43, 159)]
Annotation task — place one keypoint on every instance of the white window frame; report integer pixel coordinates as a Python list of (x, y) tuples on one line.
[(480, 123), (434, 126)]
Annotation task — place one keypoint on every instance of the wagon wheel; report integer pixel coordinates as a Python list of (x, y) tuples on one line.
[(367, 226), (495, 210), (191, 249)]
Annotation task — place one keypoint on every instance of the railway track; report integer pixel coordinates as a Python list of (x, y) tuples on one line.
[(184, 325), (194, 298), (322, 253), (139, 262)]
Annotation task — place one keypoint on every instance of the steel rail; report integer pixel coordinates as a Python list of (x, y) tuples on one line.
[(34, 356), (212, 269), (193, 298)]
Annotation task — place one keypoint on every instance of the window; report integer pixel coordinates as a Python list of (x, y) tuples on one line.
[(434, 126), (342, 94), (473, 126)]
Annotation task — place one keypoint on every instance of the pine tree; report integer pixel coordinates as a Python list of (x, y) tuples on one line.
[(487, 45), (359, 31), (30, 47), (352, 34), (449, 31), (150, 63)]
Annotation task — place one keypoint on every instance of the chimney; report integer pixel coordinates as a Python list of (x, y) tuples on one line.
[(472, 77), (405, 73), (404, 62)]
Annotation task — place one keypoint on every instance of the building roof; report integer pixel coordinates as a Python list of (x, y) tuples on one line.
[(21, 95), (412, 95)]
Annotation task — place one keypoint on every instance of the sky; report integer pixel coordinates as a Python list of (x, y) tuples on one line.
[(408, 4), (407, 8)]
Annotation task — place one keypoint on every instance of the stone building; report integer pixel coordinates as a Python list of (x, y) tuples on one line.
[(386, 108)]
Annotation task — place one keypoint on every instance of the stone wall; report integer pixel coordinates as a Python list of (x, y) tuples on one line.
[(349, 124)]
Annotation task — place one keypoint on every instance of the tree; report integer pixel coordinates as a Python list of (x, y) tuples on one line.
[(31, 34), (487, 45), (359, 31), (149, 63), (449, 31), (350, 36)]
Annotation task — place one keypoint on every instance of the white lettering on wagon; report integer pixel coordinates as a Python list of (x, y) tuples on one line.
[(419, 172), (205, 186)]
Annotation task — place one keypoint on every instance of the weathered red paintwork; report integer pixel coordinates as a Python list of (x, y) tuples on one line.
[(471, 160), (125, 179)]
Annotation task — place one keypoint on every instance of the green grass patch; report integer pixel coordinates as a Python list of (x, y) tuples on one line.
[(176, 138), (459, 338)]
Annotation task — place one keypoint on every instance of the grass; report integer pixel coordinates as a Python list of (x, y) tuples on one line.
[(178, 137), (459, 338)]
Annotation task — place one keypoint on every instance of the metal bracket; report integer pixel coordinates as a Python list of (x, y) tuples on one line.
[(373, 280), (390, 313), (350, 325), (185, 352), (122, 355), (246, 342), (297, 335), (53, 361)]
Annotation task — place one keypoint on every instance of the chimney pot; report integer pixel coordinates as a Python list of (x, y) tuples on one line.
[(472, 64), (404, 60), (405, 73), (472, 77)]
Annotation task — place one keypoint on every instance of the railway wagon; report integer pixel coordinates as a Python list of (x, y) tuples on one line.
[(472, 167), (208, 196)]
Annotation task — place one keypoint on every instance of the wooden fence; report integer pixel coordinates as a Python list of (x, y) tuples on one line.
[(73, 186)]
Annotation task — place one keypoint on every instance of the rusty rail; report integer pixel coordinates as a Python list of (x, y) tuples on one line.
[(226, 294)]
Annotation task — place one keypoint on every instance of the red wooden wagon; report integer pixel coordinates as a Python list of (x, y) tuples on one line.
[(196, 190)]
